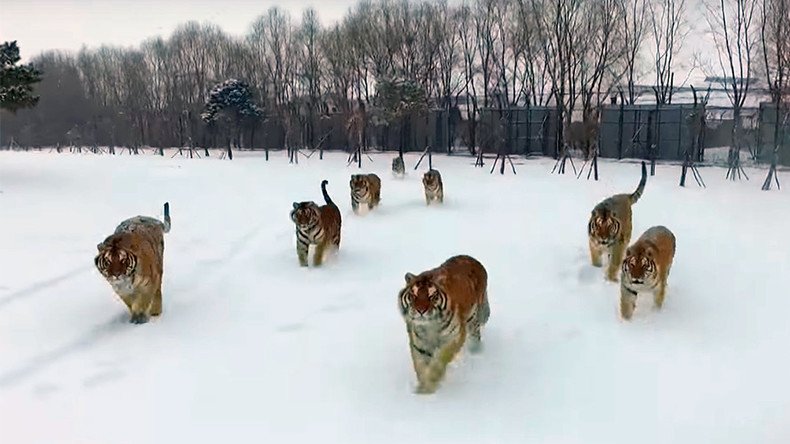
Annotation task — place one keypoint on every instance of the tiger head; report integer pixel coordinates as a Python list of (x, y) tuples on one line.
[(116, 260), (421, 300), (639, 265), (359, 184), (305, 214), (431, 179), (604, 226)]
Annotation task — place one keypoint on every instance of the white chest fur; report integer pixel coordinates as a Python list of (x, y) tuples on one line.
[(123, 286)]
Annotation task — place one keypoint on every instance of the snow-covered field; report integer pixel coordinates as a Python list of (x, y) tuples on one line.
[(253, 348)]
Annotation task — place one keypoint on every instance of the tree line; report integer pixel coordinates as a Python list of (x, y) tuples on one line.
[(568, 54)]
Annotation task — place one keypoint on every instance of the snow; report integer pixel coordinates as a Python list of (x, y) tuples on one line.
[(252, 347)]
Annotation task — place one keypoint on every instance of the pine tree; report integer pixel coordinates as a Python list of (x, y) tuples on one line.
[(232, 99), (16, 82), (396, 100)]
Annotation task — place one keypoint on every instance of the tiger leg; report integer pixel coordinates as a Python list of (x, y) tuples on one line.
[(474, 342), (595, 255), (437, 367), (354, 205), (615, 261), (427, 199), (627, 302), (440, 197), (128, 301), (420, 359), (141, 306), (658, 296), (320, 251), (156, 305), (302, 249)]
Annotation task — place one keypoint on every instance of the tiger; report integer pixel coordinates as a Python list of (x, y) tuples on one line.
[(646, 268), (316, 225), (365, 189), (441, 308), (131, 260), (609, 228), (398, 167), (434, 189)]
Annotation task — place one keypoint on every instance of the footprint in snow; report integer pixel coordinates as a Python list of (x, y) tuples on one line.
[(102, 377), (288, 328)]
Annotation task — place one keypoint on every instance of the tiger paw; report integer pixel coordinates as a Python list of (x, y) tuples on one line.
[(425, 389), (475, 346), (139, 318)]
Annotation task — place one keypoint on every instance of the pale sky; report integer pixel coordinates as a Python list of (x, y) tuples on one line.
[(40, 25)]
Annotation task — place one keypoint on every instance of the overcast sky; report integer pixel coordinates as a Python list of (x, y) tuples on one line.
[(39, 25)]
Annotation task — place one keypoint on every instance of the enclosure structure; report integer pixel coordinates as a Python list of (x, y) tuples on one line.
[(527, 130), (648, 132), (774, 131)]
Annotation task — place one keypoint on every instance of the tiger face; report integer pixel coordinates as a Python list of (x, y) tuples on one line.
[(431, 179), (604, 227), (114, 262), (422, 302), (639, 266), (305, 214), (359, 185)]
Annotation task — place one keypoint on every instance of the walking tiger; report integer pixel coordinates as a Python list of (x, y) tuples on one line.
[(442, 307), (131, 260), (609, 228), (316, 225)]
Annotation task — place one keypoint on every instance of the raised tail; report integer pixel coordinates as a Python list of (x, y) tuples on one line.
[(641, 188), (326, 195), (167, 218)]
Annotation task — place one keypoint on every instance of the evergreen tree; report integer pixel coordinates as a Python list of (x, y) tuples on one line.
[(396, 101), (233, 100), (16, 82)]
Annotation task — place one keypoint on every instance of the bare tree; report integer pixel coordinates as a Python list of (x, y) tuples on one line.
[(634, 29), (775, 43), (669, 29), (732, 25)]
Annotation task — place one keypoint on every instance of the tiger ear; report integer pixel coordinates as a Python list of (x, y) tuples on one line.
[(296, 205), (628, 252), (650, 253), (99, 246), (409, 277)]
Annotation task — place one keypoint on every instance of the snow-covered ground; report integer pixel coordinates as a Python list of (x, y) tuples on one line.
[(253, 348)]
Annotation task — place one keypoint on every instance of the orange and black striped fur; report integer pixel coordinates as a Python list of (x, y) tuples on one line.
[(646, 268), (316, 225), (131, 259), (609, 228), (441, 308), (434, 189), (365, 191)]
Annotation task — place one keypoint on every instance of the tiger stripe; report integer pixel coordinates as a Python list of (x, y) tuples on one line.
[(433, 187), (441, 308), (365, 191), (319, 226), (646, 268)]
